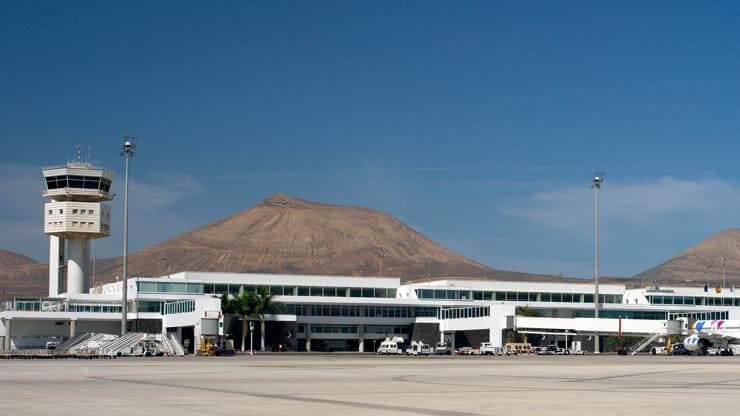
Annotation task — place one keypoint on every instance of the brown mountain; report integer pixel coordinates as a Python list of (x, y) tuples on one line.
[(283, 234), (700, 264), (21, 276), (8, 258)]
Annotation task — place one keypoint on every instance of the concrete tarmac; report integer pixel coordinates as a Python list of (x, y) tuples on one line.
[(368, 385)]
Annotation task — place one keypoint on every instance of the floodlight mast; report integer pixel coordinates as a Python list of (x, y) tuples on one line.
[(128, 149), (597, 180)]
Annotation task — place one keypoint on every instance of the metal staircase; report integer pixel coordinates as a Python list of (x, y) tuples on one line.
[(643, 343)]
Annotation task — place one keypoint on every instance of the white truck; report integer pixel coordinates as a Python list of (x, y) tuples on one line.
[(487, 348)]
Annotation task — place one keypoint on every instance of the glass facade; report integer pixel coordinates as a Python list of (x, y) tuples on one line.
[(386, 330), (82, 182), (369, 311), (180, 306), (334, 329), (464, 313), (235, 289), (510, 296), (693, 300)]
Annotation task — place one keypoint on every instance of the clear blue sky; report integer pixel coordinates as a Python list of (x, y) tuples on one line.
[(477, 123)]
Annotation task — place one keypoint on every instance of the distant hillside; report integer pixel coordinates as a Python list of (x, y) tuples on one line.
[(21, 276), (701, 263), (8, 258)]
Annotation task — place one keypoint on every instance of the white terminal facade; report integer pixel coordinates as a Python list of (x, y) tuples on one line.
[(331, 313), (321, 313)]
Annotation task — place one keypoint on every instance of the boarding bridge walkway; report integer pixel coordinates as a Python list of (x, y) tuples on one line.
[(600, 326)]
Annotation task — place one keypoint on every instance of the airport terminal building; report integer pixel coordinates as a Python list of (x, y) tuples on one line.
[(320, 313), (334, 313)]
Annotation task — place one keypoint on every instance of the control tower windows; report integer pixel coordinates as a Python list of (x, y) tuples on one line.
[(74, 181)]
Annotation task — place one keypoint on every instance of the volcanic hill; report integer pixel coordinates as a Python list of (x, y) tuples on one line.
[(283, 234), (21, 276), (286, 235), (700, 264)]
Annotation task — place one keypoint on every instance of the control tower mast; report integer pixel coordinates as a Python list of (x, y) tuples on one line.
[(74, 215)]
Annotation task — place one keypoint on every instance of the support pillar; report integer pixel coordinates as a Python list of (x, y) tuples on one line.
[(308, 343), (72, 328), (76, 266), (56, 258), (361, 333), (8, 333)]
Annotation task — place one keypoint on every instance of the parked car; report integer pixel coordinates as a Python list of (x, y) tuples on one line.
[(466, 351), (52, 345)]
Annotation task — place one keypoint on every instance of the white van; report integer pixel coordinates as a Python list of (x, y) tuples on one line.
[(391, 346), (418, 348)]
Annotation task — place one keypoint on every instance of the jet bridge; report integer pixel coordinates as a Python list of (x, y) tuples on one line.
[(601, 326)]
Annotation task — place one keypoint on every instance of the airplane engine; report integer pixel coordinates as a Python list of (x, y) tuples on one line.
[(695, 344)]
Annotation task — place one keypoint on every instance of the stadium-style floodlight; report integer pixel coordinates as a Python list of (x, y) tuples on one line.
[(597, 180), (127, 152)]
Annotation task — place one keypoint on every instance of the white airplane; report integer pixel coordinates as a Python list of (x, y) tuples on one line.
[(717, 334)]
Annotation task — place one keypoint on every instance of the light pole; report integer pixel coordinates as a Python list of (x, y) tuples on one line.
[(597, 180), (127, 152)]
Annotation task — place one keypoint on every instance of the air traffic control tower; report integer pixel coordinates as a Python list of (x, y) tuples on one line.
[(74, 215)]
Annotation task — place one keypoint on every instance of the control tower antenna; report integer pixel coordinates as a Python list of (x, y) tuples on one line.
[(128, 149), (597, 180)]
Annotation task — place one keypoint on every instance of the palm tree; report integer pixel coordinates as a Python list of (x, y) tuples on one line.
[(263, 306), (245, 307)]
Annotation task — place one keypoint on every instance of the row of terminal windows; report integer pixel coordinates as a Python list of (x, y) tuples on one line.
[(514, 296), (655, 315), (692, 300), (386, 329), (234, 289), (73, 181), (36, 305), (370, 311), (180, 306), (462, 313), (77, 307), (169, 287), (699, 316), (333, 329)]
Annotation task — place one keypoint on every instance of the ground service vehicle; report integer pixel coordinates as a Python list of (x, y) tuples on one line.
[(391, 346), (418, 348), (443, 348), (487, 348), (516, 348)]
